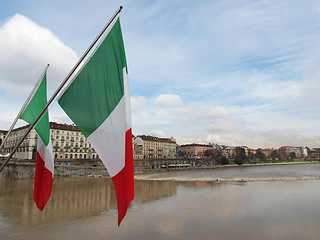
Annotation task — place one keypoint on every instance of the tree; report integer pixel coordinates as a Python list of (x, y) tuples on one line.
[(223, 161), (208, 153), (214, 154), (274, 155), (283, 156), (241, 156), (238, 160), (260, 155), (292, 155), (251, 156)]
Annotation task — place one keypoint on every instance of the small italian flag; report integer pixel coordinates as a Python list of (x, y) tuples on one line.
[(97, 101), (44, 158)]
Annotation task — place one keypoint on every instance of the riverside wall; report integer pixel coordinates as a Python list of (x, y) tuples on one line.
[(20, 170)]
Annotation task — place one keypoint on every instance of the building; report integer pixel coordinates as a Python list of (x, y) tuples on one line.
[(2, 135), (67, 143), (267, 151), (150, 147), (194, 149), (137, 148), (314, 153), (289, 149), (303, 152), (28, 148)]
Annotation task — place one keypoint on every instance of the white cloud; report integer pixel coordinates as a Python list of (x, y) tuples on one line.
[(138, 103), (213, 138), (26, 48), (168, 100), (158, 133)]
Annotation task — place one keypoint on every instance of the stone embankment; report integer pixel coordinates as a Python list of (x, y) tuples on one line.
[(18, 169), (25, 169)]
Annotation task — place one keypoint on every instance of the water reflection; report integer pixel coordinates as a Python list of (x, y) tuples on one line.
[(85, 208), (149, 191), (72, 198)]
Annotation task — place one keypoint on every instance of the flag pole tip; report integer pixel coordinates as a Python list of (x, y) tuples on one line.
[(121, 7)]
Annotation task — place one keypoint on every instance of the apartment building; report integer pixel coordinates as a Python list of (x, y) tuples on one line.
[(28, 148), (67, 143), (2, 135), (298, 151), (194, 149), (150, 147)]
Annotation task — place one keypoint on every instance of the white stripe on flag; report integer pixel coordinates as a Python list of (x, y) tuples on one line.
[(127, 98), (109, 140), (46, 154)]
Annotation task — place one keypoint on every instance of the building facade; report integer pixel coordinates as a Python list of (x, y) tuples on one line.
[(2, 135), (28, 148), (67, 143), (137, 148), (150, 147), (194, 150)]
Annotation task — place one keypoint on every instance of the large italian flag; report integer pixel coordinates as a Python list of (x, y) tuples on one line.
[(97, 101), (44, 158)]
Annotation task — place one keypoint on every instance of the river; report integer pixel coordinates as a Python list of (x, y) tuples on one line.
[(229, 203)]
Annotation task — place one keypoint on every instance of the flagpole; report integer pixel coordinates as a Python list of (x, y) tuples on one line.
[(61, 86), (24, 106)]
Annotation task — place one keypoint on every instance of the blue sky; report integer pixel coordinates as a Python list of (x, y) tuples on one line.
[(229, 72)]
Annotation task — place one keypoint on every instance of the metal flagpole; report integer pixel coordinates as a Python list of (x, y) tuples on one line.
[(24, 106), (60, 87)]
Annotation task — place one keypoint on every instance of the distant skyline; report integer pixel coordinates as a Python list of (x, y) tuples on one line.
[(228, 72)]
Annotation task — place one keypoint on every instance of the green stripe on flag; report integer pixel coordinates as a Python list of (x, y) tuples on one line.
[(35, 106), (98, 87)]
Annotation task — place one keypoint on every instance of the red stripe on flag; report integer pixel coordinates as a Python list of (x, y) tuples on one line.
[(42, 183), (124, 181)]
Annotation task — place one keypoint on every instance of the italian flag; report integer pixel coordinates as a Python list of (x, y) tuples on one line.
[(44, 157), (97, 101)]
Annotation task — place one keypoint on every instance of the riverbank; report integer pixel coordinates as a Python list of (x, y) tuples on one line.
[(147, 171), (25, 169), (244, 173)]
